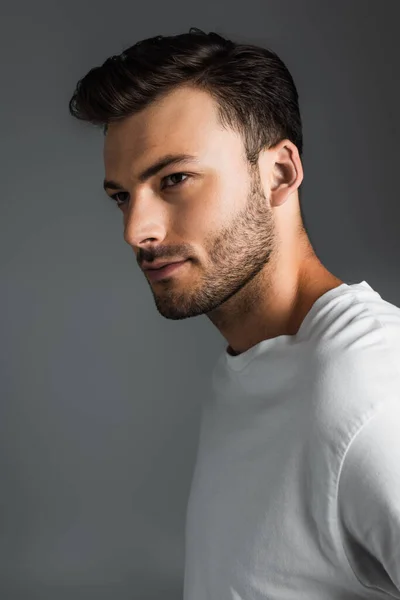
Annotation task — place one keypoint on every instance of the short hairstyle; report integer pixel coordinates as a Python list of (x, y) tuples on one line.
[(254, 91)]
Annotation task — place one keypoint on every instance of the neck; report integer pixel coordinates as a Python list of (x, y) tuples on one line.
[(274, 303)]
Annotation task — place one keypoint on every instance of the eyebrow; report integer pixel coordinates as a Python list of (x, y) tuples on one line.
[(169, 159)]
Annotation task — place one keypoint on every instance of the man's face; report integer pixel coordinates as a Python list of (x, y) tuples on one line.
[(212, 212)]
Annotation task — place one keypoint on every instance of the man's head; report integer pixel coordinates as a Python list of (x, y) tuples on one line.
[(233, 210)]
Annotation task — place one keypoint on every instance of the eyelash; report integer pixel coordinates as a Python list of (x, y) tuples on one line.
[(114, 196)]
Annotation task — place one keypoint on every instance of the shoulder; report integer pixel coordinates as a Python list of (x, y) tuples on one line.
[(354, 361)]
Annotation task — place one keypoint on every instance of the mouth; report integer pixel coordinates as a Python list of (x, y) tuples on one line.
[(166, 271)]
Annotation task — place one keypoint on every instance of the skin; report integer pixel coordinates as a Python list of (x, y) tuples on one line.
[(251, 271)]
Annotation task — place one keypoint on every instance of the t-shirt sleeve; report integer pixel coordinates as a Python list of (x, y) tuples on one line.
[(369, 501)]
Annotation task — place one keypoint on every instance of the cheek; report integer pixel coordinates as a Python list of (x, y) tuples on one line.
[(209, 209), (190, 222)]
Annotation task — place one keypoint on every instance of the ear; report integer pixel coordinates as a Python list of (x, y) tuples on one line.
[(286, 171)]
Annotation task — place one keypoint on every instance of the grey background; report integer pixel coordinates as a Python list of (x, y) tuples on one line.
[(100, 395)]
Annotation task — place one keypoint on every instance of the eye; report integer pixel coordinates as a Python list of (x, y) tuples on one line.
[(114, 197), (175, 175), (121, 202)]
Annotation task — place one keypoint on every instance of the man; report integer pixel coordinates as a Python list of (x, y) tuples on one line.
[(296, 488)]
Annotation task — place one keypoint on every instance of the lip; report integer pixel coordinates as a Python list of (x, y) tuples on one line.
[(158, 265), (164, 272)]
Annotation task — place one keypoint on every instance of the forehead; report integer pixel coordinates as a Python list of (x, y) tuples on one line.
[(185, 120)]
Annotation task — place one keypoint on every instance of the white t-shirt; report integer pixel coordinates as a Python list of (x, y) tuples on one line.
[(296, 488)]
